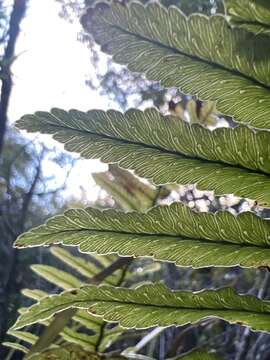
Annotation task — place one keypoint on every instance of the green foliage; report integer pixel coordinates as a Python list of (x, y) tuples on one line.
[(165, 233), (223, 61), (201, 56), (71, 352), (56, 276), (154, 304), (101, 336), (164, 148), (16, 346), (253, 16)]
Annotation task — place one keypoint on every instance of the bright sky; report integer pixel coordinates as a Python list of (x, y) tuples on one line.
[(51, 71)]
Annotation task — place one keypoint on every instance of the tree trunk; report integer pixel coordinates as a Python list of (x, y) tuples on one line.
[(16, 17)]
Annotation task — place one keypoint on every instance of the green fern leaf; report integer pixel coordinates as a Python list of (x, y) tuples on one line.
[(57, 277), (65, 280), (77, 263), (165, 149), (253, 16), (71, 352), (173, 233), (16, 346), (87, 342), (71, 335), (34, 293), (155, 305), (199, 55), (24, 336), (82, 317), (85, 267)]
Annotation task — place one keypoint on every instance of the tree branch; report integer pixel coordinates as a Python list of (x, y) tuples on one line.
[(11, 273)]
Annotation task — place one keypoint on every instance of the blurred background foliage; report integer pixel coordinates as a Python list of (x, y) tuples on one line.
[(29, 194)]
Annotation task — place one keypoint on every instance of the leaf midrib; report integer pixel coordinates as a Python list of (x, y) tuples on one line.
[(193, 57), (71, 304), (250, 22), (153, 147), (158, 235)]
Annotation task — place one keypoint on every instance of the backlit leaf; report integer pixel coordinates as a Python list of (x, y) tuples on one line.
[(252, 15), (200, 55), (155, 305), (171, 233), (165, 149)]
